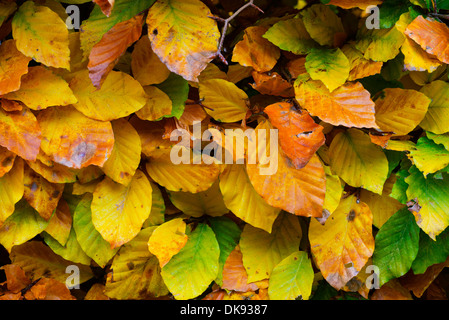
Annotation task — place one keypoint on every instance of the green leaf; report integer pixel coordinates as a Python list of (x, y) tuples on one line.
[(292, 278), (189, 273), (24, 224), (71, 251), (262, 251), (396, 246), (331, 66), (177, 88), (439, 138), (390, 11), (430, 195), (291, 35), (88, 237), (379, 44), (98, 24), (428, 156), (228, 235), (399, 191), (430, 251)]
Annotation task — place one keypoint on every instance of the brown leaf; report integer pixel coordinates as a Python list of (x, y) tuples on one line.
[(49, 289), (300, 137), (234, 273), (106, 53), (16, 279), (105, 6), (431, 35), (20, 133)]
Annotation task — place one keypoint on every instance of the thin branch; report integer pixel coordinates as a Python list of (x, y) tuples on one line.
[(226, 22), (439, 15)]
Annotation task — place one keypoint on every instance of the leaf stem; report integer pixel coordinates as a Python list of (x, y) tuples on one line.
[(226, 22)]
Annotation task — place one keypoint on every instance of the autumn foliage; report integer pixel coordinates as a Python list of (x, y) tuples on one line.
[(357, 208)]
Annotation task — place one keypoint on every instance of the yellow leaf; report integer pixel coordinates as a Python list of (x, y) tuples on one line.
[(323, 25), (343, 245), (42, 35), (84, 142), (135, 271), (359, 66), (23, 225), (118, 212), (256, 51), (382, 206), (11, 190), (262, 251), (119, 96), (437, 116), (125, 157), (416, 59), (400, 110), (38, 260), (182, 177), (379, 44), (167, 240), (358, 161), (158, 105), (52, 171), (208, 202), (334, 191), (60, 223), (146, 66), (227, 101), (183, 36), (243, 200), (41, 89)]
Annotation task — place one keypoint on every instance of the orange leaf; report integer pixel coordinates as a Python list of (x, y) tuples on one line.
[(16, 279), (272, 84), (10, 105), (298, 191), (84, 142), (349, 105), (6, 161), (431, 35), (256, 51), (13, 65), (106, 53), (20, 133), (105, 6), (42, 195), (49, 289), (234, 273), (300, 137)]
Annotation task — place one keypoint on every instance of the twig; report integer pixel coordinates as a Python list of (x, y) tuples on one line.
[(226, 22), (439, 15)]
